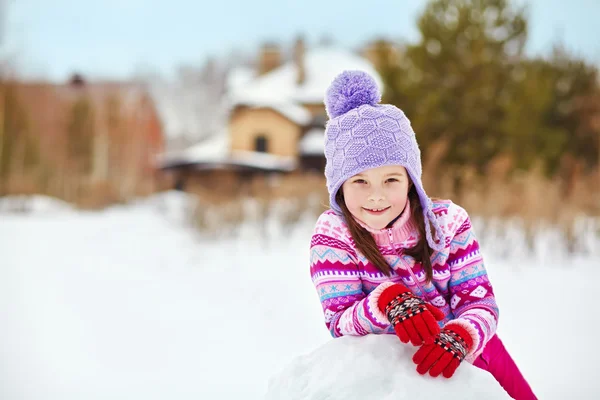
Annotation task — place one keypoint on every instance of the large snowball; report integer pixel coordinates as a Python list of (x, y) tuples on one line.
[(375, 367)]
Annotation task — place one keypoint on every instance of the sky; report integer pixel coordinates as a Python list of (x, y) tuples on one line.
[(122, 38)]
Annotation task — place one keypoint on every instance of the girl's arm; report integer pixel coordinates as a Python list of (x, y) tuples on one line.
[(472, 298), (347, 309)]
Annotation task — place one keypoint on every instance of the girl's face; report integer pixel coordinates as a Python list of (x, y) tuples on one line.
[(378, 195)]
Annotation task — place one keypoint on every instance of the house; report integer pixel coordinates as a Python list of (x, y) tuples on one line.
[(91, 134), (276, 118)]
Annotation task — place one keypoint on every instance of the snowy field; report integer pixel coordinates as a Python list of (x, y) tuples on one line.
[(130, 304)]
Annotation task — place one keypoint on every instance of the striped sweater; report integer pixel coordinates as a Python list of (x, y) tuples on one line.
[(349, 285)]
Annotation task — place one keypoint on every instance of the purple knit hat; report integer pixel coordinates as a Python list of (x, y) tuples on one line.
[(362, 134)]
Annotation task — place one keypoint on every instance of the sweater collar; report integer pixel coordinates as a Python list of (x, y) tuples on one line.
[(402, 229)]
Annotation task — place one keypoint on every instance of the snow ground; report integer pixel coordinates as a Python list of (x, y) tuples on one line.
[(130, 304)]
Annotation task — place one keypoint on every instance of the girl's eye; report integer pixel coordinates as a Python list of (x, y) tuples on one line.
[(361, 181), (392, 180)]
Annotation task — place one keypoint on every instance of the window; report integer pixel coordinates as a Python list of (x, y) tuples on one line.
[(260, 144), (319, 121)]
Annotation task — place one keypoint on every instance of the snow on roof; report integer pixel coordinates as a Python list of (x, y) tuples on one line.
[(313, 142), (214, 149), (321, 66), (214, 153), (239, 76), (262, 160), (293, 112)]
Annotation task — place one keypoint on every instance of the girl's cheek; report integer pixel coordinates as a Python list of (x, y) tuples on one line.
[(397, 197)]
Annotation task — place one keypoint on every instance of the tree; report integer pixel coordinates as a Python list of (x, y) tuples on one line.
[(19, 150), (80, 135), (557, 100), (576, 104), (453, 83)]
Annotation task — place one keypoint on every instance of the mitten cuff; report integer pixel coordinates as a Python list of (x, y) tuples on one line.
[(373, 302), (389, 293), (467, 332)]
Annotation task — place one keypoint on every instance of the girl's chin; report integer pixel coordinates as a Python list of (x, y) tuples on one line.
[(375, 224)]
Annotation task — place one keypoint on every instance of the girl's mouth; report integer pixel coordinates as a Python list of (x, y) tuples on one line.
[(376, 211)]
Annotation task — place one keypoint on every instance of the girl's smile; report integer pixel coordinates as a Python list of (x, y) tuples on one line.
[(376, 211)]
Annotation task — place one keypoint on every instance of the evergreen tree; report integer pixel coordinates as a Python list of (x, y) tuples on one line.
[(453, 83)]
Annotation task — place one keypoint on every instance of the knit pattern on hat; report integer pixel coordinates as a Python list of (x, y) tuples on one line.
[(362, 134)]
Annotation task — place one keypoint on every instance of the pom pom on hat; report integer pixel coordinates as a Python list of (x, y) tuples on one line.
[(349, 90)]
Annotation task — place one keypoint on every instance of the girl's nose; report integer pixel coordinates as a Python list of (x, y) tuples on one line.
[(376, 196)]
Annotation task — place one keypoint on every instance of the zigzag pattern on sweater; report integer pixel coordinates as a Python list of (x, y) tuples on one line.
[(462, 240), (439, 258), (330, 254), (391, 257)]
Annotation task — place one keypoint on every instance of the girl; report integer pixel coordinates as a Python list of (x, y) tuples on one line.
[(386, 258)]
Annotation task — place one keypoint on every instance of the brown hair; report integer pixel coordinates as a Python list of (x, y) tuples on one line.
[(421, 252)]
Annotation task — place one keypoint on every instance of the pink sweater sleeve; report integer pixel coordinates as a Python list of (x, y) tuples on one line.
[(472, 298), (334, 272)]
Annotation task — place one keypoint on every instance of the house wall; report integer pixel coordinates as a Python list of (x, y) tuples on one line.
[(208, 184), (222, 186), (247, 124)]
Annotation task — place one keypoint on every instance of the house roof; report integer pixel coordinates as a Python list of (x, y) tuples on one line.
[(279, 86), (214, 154), (213, 149)]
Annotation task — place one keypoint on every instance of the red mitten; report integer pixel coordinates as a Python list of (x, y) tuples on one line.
[(411, 317), (446, 353)]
